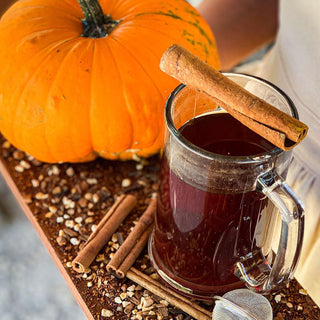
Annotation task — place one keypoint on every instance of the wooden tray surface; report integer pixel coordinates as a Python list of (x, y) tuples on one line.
[(64, 203)]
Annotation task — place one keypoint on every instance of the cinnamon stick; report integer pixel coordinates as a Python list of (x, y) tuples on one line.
[(134, 243), (133, 254), (106, 227), (181, 302), (281, 129)]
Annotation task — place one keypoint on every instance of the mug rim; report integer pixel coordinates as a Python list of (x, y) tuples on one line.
[(211, 155)]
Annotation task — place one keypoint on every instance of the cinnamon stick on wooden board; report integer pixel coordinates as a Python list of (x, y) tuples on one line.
[(134, 243), (105, 229), (181, 302), (281, 129)]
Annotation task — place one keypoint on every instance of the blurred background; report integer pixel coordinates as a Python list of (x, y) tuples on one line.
[(31, 286)]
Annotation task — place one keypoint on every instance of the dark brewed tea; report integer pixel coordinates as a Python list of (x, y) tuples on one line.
[(201, 234), (221, 133)]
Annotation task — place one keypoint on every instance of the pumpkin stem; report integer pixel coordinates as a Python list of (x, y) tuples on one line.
[(95, 23)]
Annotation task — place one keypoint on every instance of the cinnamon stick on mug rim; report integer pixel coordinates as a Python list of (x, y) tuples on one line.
[(134, 243), (281, 129), (105, 229)]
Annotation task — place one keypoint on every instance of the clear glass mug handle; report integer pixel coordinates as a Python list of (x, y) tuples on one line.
[(254, 270)]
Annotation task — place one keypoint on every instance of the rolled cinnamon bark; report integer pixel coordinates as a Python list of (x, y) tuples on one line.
[(134, 243), (281, 129), (192, 308), (106, 227), (134, 253)]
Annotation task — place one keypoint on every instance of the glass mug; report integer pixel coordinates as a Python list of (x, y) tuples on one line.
[(216, 213)]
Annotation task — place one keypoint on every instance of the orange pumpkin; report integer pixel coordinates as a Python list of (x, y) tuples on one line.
[(79, 81)]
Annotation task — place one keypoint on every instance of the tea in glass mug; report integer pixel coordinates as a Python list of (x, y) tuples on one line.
[(221, 188)]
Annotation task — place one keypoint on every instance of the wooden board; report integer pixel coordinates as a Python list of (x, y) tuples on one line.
[(64, 202)]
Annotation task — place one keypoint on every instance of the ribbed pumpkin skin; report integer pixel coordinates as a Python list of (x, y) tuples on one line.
[(68, 98)]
